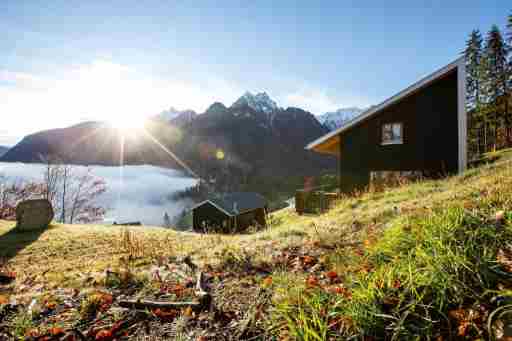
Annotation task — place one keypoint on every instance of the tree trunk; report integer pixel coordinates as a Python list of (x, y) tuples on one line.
[(485, 137), (64, 183), (507, 124)]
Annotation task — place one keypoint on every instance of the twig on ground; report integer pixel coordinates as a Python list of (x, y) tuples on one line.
[(147, 304), (204, 300), (188, 260)]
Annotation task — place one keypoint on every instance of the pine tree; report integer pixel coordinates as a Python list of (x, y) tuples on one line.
[(509, 30), (509, 49), (167, 220), (495, 79), (508, 81), (473, 55)]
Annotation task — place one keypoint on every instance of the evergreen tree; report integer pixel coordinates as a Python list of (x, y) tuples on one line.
[(167, 220), (508, 81), (509, 30), (473, 55), (509, 36), (495, 79), (509, 43)]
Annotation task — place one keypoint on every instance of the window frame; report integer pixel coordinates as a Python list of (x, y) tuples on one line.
[(393, 141)]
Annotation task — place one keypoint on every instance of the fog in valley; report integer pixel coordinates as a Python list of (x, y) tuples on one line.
[(134, 193)]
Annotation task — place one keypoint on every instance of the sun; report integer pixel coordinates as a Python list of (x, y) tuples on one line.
[(128, 123)]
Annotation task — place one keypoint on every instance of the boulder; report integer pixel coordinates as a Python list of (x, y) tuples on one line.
[(33, 214)]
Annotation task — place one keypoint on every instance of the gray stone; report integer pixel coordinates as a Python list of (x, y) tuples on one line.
[(33, 214)]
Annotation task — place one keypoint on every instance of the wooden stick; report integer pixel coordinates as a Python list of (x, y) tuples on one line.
[(203, 302), (145, 304), (6, 278), (187, 260), (205, 299), (199, 283)]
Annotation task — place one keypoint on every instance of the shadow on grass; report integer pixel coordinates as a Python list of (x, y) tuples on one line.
[(14, 241)]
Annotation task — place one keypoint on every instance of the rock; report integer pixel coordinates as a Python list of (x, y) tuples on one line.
[(33, 214)]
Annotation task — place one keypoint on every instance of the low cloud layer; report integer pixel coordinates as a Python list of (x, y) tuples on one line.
[(140, 194)]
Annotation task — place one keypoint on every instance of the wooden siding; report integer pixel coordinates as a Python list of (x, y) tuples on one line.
[(430, 137), (214, 219), (209, 215)]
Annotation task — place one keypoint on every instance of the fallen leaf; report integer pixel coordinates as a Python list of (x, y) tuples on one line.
[(51, 305), (463, 328), (106, 301), (457, 314), (339, 290), (332, 275), (312, 281), (188, 312), (308, 260), (32, 333), (267, 282), (103, 335), (165, 315), (178, 290), (56, 331)]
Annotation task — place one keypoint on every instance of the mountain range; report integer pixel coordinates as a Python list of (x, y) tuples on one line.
[(261, 102), (177, 117), (253, 138), (335, 119)]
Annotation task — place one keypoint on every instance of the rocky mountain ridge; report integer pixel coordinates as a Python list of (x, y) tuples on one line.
[(251, 139)]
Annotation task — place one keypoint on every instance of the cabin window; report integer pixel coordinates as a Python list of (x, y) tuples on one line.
[(392, 133)]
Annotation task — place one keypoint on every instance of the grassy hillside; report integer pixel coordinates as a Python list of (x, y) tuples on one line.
[(426, 260)]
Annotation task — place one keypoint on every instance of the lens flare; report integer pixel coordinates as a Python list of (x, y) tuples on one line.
[(128, 123), (220, 154)]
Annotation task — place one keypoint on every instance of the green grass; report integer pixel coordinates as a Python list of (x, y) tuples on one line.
[(415, 262)]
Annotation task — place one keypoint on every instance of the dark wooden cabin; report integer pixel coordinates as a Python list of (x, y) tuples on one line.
[(233, 212), (420, 130)]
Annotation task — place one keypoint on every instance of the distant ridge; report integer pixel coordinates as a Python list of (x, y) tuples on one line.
[(335, 119), (255, 136)]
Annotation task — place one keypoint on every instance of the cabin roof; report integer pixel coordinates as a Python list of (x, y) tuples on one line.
[(325, 143), (233, 204)]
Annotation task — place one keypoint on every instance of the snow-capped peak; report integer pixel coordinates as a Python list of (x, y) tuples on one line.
[(336, 119), (172, 113), (259, 102), (177, 117)]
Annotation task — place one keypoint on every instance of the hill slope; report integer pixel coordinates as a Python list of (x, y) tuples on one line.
[(429, 259)]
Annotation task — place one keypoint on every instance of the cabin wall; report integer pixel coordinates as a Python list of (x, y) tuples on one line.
[(216, 220), (245, 220), (430, 137), (211, 216)]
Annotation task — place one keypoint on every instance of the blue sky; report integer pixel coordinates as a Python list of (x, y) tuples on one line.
[(65, 61)]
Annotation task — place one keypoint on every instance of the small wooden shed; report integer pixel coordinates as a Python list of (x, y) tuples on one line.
[(232, 212)]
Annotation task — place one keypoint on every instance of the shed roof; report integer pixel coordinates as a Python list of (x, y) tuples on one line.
[(236, 203), (329, 142)]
